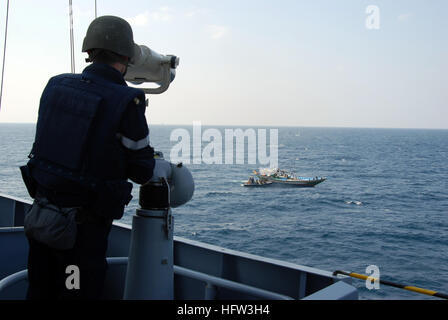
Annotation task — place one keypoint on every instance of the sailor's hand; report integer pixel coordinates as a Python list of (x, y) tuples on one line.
[(162, 169)]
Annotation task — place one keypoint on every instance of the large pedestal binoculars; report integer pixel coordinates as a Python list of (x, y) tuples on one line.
[(156, 195), (148, 66), (150, 271)]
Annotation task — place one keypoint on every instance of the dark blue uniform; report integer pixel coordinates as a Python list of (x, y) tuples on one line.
[(91, 137)]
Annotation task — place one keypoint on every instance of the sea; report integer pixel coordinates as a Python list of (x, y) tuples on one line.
[(384, 203)]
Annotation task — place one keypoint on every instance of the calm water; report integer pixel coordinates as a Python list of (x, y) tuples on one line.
[(385, 202)]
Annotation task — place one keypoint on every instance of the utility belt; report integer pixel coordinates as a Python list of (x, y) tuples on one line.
[(110, 197), (82, 214), (57, 227)]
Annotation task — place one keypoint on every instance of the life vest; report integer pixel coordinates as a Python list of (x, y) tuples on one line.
[(77, 136)]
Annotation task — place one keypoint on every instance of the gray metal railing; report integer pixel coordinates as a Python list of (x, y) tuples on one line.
[(211, 283)]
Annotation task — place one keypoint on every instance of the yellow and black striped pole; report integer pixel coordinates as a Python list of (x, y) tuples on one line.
[(393, 284)]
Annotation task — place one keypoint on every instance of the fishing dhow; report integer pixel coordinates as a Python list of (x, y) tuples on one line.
[(264, 177)]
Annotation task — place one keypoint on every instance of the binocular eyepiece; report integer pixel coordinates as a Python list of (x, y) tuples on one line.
[(151, 67)]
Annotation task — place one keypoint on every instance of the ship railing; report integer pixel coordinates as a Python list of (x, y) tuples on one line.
[(211, 283)]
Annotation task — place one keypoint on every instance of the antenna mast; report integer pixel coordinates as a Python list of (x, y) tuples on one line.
[(4, 53), (72, 50)]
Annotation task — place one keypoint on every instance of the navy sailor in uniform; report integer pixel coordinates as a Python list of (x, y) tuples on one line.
[(91, 137)]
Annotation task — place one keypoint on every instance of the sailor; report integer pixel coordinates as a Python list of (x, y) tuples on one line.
[(91, 137)]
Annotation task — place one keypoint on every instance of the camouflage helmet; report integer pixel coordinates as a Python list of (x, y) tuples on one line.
[(110, 33)]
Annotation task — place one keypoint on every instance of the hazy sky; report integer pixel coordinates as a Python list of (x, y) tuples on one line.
[(254, 62)]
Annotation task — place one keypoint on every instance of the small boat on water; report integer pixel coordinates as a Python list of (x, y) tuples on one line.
[(254, 181), (283, 177), (299, 182)]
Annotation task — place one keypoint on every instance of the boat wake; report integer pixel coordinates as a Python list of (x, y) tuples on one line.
[(358, 203)]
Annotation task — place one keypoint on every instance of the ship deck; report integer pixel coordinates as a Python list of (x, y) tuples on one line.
[(201, 271)]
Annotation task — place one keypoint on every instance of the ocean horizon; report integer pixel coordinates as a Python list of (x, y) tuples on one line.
[(183, 125)]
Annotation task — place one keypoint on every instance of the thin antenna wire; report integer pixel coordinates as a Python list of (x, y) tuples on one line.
[(95, 10), (72, 49), (4, 53)]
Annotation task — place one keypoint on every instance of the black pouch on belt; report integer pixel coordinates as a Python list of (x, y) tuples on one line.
[(51, 225)]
